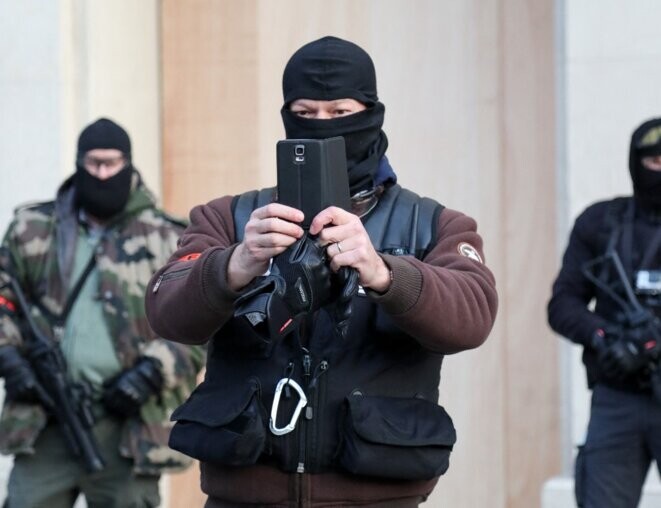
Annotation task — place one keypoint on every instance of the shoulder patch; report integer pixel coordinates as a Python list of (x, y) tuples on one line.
[(466, 249)]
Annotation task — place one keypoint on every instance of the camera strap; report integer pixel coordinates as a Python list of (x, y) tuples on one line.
[(244, 204), (624, 228)]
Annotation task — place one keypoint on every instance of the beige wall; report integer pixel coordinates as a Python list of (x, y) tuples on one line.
[(109, 66), (469, 91)]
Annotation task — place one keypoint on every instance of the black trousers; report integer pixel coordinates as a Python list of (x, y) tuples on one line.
[(396, 503), (624, 436)]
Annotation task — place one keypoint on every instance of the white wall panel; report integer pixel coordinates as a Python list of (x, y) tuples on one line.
[(612, 51)]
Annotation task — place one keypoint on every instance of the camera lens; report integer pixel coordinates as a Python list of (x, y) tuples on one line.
[(299, 150)]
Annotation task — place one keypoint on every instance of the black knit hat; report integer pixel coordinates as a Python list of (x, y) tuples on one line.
[(330, 69), (104, 133)]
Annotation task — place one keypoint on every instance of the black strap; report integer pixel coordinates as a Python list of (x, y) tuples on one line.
[(403, 223), (628, 244), (614, 221), (75, 291), (651, 252), (620, 218), (244, 204), (627, 239)]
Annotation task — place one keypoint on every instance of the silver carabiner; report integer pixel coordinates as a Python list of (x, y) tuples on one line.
[(280, 431)]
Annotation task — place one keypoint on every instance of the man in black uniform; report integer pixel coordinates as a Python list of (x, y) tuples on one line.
[(613, 258)]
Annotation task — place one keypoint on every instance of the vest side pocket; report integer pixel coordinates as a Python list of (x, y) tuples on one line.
[(402, 438), (221, 426)]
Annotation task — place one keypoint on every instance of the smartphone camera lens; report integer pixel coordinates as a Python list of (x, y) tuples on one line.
[(299, 153)]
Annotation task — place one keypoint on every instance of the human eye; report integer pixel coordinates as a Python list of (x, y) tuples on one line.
[(92, 162), (344, 108)]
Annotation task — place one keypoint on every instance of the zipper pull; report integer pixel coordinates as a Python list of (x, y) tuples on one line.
[(288, 372), (318, 372), (157, 285), (307, 364)]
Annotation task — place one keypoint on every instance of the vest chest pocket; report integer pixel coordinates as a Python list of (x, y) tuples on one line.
[(399, 438), (221, 426)]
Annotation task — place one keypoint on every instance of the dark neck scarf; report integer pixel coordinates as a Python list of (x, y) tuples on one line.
[(103, 199)]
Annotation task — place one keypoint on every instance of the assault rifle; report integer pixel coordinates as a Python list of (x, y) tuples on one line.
[(69, 403), (634, 314)]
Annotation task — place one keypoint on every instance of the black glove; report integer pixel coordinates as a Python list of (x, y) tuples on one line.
[(299, 283), (124, 394), (621, 357), (20, 381), (345, 286), (307, 276), (263, 312)]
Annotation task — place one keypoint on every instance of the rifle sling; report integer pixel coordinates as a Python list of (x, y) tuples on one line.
[(75, 291)]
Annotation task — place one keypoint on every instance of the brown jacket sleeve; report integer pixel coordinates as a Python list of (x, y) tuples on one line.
[(188, 299), (447, 301)]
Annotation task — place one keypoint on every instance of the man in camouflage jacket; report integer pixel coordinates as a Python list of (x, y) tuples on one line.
[(104, 229)]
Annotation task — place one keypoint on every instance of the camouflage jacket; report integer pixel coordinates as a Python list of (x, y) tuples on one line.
[(42, 243)]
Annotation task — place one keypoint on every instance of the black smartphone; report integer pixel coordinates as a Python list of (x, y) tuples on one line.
[(312, 175)]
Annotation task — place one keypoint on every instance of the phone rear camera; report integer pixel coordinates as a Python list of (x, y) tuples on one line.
[(299, 150)]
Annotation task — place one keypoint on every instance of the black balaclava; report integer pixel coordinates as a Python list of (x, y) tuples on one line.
[(645, 142), (103, 198), (329, 69)]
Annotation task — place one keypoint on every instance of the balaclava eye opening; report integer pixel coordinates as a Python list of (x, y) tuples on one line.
[(103, 198), (330, 69), (646, 142)]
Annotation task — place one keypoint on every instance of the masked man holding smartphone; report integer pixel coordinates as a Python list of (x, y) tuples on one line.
[(313, 416)]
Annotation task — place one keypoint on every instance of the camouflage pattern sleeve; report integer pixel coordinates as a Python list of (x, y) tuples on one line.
[(9, 330), (178, 362), (20, 424)]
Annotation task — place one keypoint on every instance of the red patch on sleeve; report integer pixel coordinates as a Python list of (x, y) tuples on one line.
[(190, 257), (7, 304)]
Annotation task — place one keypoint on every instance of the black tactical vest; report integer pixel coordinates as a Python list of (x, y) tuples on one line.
[(365, 405)]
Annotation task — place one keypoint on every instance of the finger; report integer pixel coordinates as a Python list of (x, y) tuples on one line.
[(341, 247), (277, 225), (330, 215), (278, 210), (274, 240), (336, 234), (343, 259)]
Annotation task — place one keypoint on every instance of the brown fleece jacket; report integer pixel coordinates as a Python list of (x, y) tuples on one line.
[(447, 302)]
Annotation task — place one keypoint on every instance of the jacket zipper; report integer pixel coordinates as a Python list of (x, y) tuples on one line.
[(311, 383), (314, 395), (307, 364), (170, 275)]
